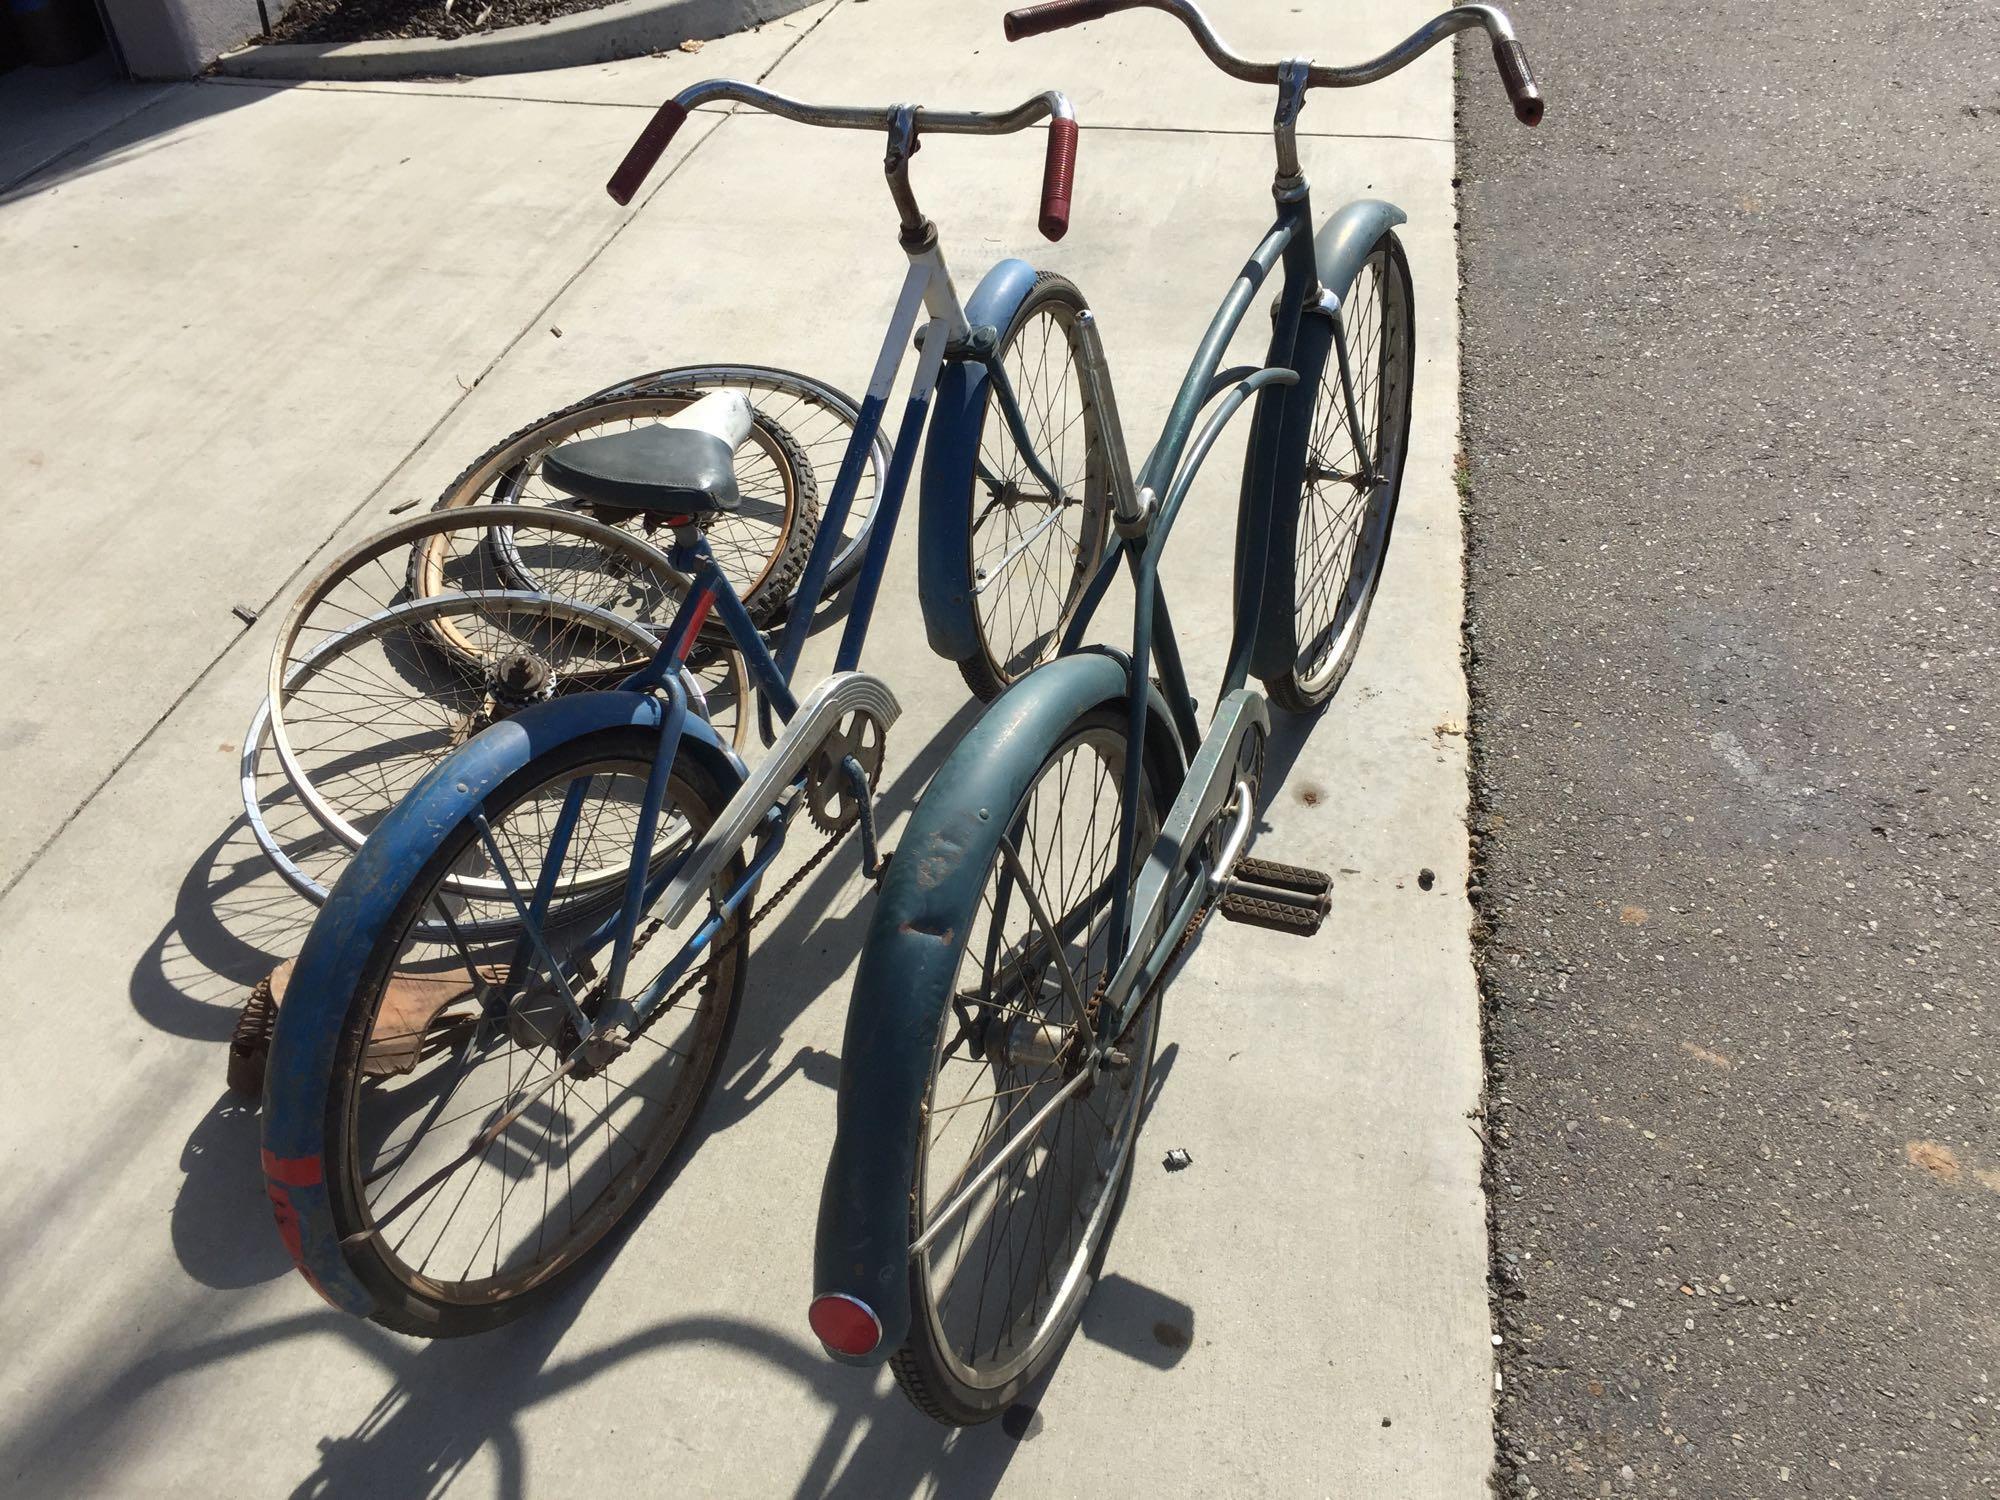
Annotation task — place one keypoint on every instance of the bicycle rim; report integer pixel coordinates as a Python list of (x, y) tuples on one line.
[(999, 1288), (1342, 531)]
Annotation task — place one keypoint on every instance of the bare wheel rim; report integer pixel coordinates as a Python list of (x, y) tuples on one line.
[(1031, 553), (1003, 1280), (365, 663), (311, 803), (573, 556), (368, 713), (819, 418), (478, 1229), (1345, 508)]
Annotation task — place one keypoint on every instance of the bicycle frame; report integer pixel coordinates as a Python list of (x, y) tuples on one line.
[(1143, 933), (928, 308), (1162, 487)]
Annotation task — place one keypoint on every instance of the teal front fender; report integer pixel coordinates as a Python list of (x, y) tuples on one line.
[(1344, 241)]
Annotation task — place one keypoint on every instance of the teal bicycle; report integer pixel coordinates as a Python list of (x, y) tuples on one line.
[(1007, 1005)]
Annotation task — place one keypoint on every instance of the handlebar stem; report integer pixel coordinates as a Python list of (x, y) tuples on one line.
[(917, 230), (1294, 78)]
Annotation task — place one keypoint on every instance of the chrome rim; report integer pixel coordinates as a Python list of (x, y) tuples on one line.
[(1344, 510), (1010, 1260), (1031, 552)]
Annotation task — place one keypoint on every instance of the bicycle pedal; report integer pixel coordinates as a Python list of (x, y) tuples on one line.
[(1284, 877), (1276, 915)]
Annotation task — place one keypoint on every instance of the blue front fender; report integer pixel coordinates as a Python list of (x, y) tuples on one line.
[(910, 959), (944, 518), (299, 1071)]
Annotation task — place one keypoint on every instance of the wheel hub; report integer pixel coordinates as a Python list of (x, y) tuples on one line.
[(517, 680)]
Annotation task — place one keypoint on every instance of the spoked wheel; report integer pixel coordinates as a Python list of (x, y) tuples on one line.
[(1327, 553), (1032, 548), (477, 1150), (761, 547), (365, 698), (1024, 1155), (820, 419)]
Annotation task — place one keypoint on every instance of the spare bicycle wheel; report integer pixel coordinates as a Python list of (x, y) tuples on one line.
[(820, 419), (761, 547), (364, 700)]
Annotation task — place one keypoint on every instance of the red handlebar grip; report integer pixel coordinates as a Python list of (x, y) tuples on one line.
[(1058, 174), (1512, 61), (1033, 20), (645, 152)]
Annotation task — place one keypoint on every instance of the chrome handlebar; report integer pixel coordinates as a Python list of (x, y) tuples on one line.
[(902, 122), (1050, 105), (1507, 51)]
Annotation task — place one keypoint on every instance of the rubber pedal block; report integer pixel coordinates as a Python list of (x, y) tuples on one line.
[(1278, 916), (1285, 877)]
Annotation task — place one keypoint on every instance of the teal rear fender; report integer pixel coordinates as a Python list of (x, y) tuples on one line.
[(908, 964), (951, 451)]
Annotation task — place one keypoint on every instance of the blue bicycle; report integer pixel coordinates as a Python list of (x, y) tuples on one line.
[(1002, 1030), (515, 999)]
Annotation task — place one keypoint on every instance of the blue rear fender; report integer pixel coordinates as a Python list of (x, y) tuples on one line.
[(910, 959), (944, 520), (299, 1071)]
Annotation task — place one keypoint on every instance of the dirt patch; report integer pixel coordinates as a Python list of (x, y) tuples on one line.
[(1933, 1158), (374, 20)]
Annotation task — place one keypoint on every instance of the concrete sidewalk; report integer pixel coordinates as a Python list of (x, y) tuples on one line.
[(287, 310)]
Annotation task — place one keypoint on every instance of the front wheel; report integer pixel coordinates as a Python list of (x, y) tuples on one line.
[(1015, 1195), (1032, 549), (1326, 551)]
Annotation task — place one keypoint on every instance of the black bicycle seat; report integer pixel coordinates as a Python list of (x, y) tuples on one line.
[(655, 470)]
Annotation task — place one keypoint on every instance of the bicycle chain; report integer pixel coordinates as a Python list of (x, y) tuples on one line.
[(681, 990)]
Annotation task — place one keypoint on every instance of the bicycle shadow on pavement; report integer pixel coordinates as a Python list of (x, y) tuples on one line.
[(445, 1406), (233, 922)]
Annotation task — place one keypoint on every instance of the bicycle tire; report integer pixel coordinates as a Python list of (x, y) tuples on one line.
[(1327, 548), (413, 1299), (1050, 406), (937, 1377)]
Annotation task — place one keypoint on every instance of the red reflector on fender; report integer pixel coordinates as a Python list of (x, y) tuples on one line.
[(845, 1324)]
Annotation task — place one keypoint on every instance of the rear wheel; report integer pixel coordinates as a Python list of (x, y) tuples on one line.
[(998, 1286), (1327, 551), (1033, 551), (448, 1035)]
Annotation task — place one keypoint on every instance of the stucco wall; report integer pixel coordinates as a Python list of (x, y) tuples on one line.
[(179, 38)]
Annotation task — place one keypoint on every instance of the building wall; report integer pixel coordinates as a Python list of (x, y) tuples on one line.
[(179, 38)]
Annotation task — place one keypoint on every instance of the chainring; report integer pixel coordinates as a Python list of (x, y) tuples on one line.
[(830, 799)]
